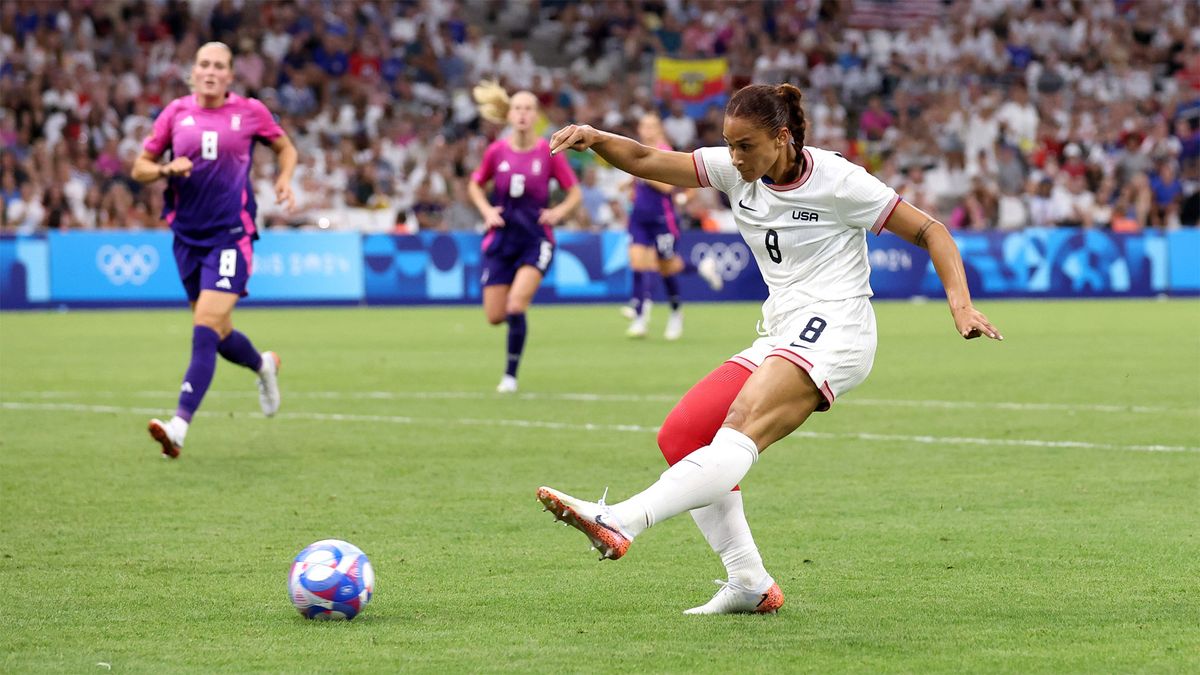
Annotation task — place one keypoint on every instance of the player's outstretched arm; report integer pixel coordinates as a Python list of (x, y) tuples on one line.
[(922, 229), (665, 166)]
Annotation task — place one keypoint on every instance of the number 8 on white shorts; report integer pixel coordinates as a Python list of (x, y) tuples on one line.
[(834, 342)]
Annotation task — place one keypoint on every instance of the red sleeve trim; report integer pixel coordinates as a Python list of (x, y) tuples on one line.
[(701, 170), (886, 214)]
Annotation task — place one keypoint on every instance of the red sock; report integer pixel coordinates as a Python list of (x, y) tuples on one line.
[(698, 416)]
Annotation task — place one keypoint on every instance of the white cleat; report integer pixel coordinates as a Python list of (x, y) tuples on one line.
[(169, 435), (594, 519), (637, 329), (707, 269), (674, 325), (508, 385), (268, 384), (629, 312), (733, 598)]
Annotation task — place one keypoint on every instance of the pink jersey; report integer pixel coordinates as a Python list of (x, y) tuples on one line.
[(521, 182), (215, 204)]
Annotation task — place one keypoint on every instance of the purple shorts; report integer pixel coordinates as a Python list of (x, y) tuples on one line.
[(504, 255), (656, 233), (218, 268)]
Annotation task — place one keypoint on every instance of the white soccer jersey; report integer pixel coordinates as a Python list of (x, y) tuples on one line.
[(809, 236)]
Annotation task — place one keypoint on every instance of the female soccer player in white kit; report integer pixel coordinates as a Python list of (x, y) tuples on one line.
[(804, 213)]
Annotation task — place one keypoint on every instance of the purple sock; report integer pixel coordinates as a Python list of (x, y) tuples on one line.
[(237, 348), (516, 342), (639, 290), (672, 285), (200, 371)]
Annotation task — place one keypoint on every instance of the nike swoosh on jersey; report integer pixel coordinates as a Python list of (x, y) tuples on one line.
[(746, 207)]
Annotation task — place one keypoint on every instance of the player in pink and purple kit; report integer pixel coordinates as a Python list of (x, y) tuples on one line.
[(654, 242), (210, 207), (519, 244)]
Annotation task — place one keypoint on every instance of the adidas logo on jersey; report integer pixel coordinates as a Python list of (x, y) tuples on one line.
[(188, 122), (223, 282), (503, 166)]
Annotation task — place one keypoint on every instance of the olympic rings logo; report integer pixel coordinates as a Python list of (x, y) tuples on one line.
[(731, 259), (127, 264)]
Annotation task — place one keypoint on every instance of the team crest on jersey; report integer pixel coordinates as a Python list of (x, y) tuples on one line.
[(188, 122), (235, 122), (503, 166), (537, 166)]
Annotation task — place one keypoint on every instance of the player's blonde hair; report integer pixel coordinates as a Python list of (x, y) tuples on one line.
[(492, 100), (222, 45)]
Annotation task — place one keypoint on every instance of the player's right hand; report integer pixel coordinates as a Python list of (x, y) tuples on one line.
[(180, 166), (492, 218), (971, 323), (573, 137)]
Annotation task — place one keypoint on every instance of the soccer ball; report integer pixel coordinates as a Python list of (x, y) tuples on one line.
[(331, 579)]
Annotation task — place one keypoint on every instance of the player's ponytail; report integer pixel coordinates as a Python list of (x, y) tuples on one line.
[(772, 108), (492, 100), (791, 97)]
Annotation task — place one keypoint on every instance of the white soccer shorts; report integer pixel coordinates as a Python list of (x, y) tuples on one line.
[(834, 342)]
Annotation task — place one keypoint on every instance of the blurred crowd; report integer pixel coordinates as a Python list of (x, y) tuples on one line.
[(989, 114)]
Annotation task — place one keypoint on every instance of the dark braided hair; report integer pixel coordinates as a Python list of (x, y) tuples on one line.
[(772, 107)]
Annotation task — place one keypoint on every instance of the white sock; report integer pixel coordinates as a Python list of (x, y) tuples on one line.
[(725, 528), (697, 480), (180, 425)]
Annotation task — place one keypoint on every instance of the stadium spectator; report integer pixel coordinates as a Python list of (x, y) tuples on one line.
[(25, 213), (596, 207), (875, 121), (1096, 75), (680, 129), (1168, 195)]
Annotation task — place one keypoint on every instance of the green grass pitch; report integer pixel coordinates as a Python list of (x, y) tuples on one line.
[(1025, 506)]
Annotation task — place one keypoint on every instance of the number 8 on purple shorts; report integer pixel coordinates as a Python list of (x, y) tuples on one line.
[(225, 269)]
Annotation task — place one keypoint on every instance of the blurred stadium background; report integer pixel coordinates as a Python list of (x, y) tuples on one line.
[(994, 115)]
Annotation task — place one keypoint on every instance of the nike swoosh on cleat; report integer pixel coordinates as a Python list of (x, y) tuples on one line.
[(764, 599), (610, 528), (746, 207)]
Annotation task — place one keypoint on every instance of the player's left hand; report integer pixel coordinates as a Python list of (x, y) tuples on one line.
[(284, 195), (971, 323), (550, 217)]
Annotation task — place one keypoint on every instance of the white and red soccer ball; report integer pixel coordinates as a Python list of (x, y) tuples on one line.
[(331, 579)]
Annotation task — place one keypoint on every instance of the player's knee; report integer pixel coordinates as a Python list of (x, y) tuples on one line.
[(495, 318), (223, 325), (738, 416)]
